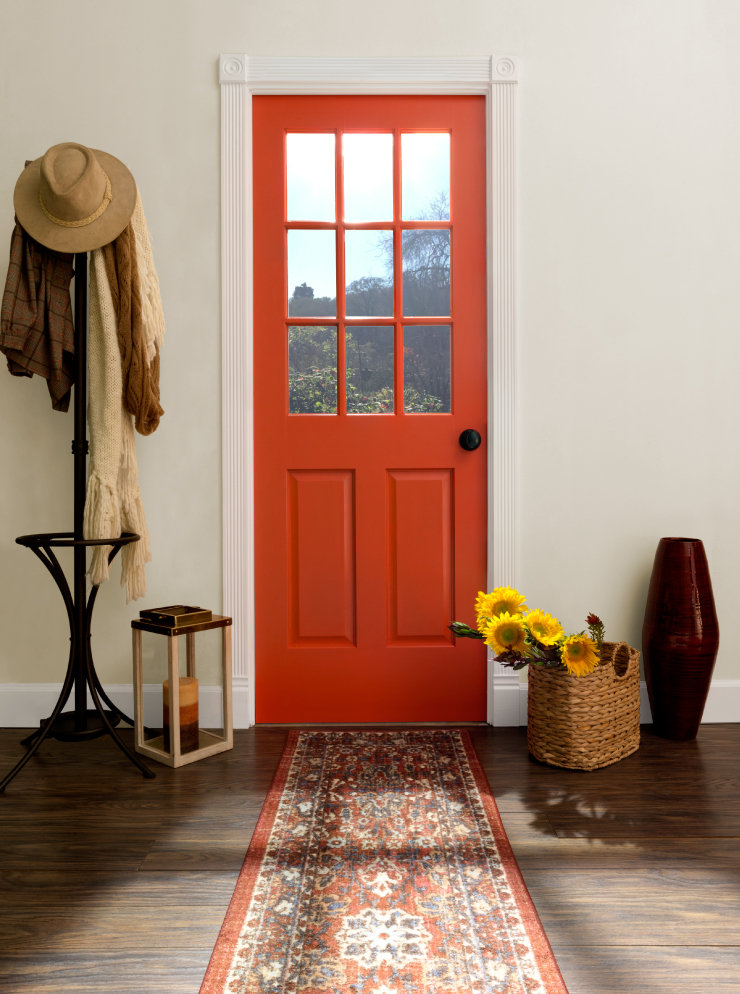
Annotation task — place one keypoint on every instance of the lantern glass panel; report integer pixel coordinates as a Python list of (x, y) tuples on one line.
[(201, 704)]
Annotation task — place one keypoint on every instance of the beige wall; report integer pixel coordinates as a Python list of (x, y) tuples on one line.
[(629, 257)]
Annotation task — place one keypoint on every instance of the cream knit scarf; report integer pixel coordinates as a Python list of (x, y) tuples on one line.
[(113, 502)]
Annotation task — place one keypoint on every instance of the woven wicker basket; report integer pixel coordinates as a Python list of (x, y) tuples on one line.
[(586, 722)]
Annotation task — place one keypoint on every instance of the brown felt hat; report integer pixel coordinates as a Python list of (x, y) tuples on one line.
[(74, 199)]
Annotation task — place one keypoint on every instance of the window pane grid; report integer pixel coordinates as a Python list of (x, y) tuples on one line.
[(345, 324), (397, 279), (341, 303)]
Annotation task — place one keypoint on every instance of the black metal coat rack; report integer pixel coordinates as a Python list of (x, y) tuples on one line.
[(81, 723)]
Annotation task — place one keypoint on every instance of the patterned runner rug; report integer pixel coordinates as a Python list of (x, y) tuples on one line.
[(380, 865)]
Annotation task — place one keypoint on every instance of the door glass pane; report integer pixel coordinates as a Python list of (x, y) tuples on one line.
[(368, 267), (426, 272), (312, 370), (369, 370), (368, 177), (312, 273), (311, 177), (426, 369), (425, 177)]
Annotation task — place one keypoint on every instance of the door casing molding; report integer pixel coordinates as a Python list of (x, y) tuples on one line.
[(241, 77)]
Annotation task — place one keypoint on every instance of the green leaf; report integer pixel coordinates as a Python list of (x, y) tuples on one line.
[(462, 630)]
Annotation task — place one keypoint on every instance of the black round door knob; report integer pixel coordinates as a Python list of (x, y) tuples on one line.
[(470, 439)]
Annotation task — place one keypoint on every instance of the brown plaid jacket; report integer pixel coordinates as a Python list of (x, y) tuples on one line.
[(36, 330)]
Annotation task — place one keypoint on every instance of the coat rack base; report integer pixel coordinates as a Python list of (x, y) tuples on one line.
[(64, 730), (82, 723)]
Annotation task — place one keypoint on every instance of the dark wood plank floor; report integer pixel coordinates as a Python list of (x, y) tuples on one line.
[(110, 883)]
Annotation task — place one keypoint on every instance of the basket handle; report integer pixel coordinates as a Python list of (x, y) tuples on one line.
[(624, 661)]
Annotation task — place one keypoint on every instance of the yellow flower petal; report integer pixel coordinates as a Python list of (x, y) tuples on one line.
[(580, 655), (546, 629), (501, 600), (506, 633)]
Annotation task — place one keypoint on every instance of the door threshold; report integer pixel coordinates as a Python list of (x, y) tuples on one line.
[(371, 724)]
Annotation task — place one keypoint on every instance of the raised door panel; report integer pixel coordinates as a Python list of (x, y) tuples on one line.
[(321, 574), (420, 556)]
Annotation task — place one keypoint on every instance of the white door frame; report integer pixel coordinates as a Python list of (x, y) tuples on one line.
[(241, 77)]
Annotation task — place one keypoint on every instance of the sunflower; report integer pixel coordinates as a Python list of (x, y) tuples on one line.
[(502, 600), (580, 655), (546, 629), (506, 633)]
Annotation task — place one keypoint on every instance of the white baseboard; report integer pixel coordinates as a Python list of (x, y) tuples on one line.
[(23, 705), (240, 699), (510, 701), (506, 700)]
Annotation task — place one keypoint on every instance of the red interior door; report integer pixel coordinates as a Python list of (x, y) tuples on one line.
[(369, 363)]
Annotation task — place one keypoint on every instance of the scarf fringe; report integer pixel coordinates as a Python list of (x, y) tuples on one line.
[(134, 557), (102, 520)]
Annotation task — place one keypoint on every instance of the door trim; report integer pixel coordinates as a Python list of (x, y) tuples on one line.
[(241, 77)]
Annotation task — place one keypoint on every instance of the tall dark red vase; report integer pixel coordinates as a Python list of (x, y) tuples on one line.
[(680, 637)]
